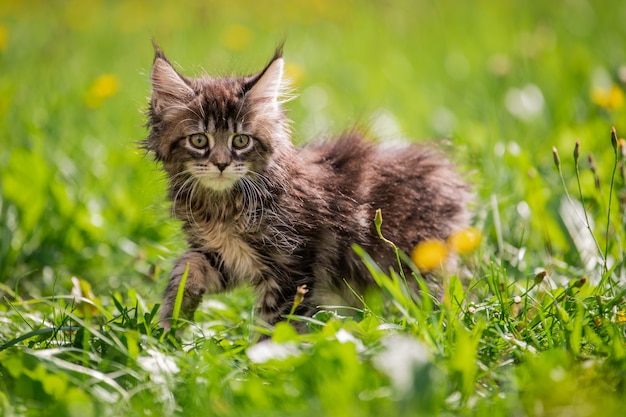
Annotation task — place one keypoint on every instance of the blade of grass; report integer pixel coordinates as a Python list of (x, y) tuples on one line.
[(38, 332), (179, 295)]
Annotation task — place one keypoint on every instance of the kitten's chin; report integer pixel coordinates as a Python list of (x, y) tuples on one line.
[(219, 183)]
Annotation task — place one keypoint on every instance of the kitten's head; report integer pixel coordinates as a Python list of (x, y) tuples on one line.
[(217, 130)]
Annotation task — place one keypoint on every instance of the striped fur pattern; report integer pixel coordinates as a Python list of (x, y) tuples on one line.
[(257, 210)]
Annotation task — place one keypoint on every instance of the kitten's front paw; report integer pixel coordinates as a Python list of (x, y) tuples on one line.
[(201, 277), (190, 302)]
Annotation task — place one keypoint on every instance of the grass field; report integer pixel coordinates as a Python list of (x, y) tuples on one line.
[(86, 241)]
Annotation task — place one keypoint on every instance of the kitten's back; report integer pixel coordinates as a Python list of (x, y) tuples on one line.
[(418, 190)]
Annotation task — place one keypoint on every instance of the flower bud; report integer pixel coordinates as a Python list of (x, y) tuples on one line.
[(540, 277), (557, 160), (614, 138)]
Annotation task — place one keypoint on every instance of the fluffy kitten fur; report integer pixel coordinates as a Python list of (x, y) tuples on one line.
[(258, 210)]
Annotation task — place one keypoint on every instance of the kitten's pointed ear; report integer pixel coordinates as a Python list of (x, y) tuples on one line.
[(267, 87), (168, 87)]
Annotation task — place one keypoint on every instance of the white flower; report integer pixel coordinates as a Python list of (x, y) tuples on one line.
[(268, 350), (158, 365), (343, 336), (402, 356)]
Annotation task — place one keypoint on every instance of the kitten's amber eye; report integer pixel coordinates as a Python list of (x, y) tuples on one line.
[(198, 140), (240, 141)]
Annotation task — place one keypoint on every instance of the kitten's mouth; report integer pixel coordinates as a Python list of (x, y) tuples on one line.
[(218, 182)]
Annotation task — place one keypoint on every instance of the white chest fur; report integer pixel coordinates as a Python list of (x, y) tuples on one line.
[(239, 258)]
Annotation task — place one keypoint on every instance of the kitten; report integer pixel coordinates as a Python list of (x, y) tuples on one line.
[(257, 210)]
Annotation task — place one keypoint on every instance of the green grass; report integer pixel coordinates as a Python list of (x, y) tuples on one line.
[(86, 242)]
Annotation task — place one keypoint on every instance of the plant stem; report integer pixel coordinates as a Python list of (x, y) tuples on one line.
[(608, 214), (582, 200)]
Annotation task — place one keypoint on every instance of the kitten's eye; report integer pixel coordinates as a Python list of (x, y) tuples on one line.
[(198, 140), (240, 141)]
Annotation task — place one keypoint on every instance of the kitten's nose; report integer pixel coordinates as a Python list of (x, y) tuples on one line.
[(221, 166)]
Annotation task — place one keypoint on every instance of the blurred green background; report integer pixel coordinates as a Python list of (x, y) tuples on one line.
[(504, 81)]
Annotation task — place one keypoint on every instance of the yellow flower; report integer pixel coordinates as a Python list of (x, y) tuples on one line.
[(621, 316), (236, 37), (294, 72), (433, 253), (609, 98), (429, 255), (105, 86), (464, 241), (102, 88)]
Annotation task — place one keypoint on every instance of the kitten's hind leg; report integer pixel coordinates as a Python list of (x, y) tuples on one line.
[(201, 278)]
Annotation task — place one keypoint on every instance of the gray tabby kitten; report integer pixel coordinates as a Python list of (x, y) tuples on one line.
[(257, 210)]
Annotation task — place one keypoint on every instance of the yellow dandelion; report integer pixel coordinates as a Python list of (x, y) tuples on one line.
[(611, 98), (105, 86), (236, 37), (294, 72), (102, 88), (429, 255), (465, 241), (621, 316)]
